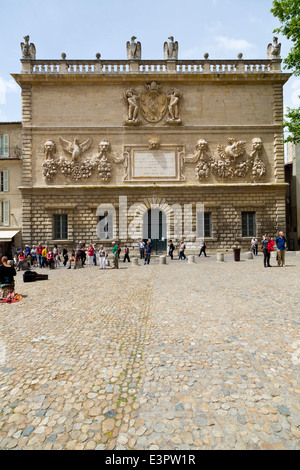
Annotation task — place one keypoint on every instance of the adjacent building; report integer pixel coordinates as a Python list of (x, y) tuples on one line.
[(153, 149), (292, 172), (10, 180)]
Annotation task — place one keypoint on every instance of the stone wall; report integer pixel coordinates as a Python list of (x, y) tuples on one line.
[(226, 206)]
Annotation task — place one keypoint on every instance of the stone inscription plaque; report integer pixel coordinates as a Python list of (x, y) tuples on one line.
[(158, 164)]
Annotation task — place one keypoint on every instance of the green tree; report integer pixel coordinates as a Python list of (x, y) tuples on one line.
[(288, 13)]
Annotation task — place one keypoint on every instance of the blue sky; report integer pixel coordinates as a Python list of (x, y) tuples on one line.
[(223, 28)]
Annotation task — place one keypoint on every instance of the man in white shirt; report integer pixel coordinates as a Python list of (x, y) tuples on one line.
[(142, 248), (254, 245)]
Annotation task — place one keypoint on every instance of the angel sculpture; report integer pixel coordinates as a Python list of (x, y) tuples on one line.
[(171, 49), (233, 150), (28, 50), (75, 149), (274, 49), (134, 49)]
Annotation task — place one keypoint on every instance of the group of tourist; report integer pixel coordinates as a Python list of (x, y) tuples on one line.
[(267, 246), (46, 257)]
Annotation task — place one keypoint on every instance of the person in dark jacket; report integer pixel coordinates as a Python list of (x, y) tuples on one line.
[(7, 272)]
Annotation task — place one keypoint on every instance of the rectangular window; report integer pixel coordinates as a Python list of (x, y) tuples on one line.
[(207, 224), (4, 146), (204, 225), (4, 213), (61, 227), (4, 181), (248, 224)]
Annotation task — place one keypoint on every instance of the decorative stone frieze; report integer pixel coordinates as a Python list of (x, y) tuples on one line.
[(230, 161), (74, 169)]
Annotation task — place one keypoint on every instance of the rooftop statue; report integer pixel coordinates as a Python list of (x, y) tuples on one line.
[(28, 50), (274, 49), (134, 49), (171, 49)]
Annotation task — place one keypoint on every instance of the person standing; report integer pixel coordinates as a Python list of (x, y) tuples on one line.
[(56, 256), (142, 248), (95, 255), (266, 252), (115, 251), (44, 257), (254, 245), (102, 257), (39, 254), (280, 243), (126, 254), (34, 256), (171, 249), (91, 252), (65, 255), (148, 249)]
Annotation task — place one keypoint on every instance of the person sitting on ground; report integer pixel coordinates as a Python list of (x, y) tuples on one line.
[(7, 282), (21, 260), (72, 259)]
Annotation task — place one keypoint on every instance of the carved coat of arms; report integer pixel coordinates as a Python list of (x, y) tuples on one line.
[(154, 102)]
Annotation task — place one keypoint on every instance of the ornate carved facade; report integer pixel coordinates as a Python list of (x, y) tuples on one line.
[(166, 133)]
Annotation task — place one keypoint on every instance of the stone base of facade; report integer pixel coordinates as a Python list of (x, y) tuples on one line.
[(127, 207)]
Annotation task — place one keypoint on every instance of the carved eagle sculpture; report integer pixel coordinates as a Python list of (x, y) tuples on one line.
[(75, 149), (274, 49), (233, 150), (171, 49), (28, 50), (134, 49)]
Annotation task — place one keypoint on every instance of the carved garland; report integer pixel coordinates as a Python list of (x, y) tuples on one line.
[(74, 169), (231, 160)]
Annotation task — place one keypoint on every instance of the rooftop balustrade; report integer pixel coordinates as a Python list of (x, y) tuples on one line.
[(206, 66)]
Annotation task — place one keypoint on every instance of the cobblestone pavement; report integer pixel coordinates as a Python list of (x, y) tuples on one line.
[(180, 356)]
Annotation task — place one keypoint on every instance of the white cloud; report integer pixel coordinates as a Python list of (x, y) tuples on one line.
[(234, 45), (7, 86)]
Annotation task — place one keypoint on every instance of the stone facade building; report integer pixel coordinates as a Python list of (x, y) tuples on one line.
[(10, 180), (162, 149)]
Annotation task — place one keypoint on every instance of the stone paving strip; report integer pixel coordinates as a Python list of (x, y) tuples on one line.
[(179, 356)]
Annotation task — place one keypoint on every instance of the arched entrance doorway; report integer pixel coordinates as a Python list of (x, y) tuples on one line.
[(155, 229)]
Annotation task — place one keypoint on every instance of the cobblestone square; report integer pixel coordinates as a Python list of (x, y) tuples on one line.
[(181, 356)]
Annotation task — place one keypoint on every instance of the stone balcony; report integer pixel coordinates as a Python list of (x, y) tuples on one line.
[(206, 66)]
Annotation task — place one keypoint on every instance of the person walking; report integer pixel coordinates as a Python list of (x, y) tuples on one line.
[(115, 251), (102, 257), (181, 251), (126, 254), (148, 249), (171, 249), (202, 248), (281, 246)]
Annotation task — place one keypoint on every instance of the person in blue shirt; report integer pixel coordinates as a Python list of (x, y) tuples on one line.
[(148, 249), (280, 243)]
